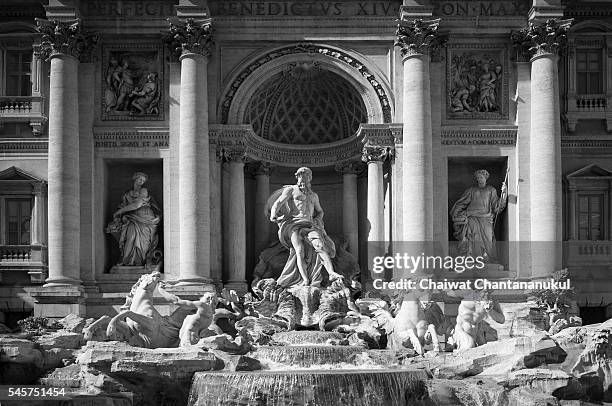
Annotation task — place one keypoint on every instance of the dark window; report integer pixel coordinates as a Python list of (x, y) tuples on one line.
[(590, 216), (589, 72), (18, 218), (18, 73)]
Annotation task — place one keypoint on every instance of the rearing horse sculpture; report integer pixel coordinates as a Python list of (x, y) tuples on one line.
[(142, 325)]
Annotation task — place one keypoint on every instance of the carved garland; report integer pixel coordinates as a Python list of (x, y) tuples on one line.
[(308, 49)]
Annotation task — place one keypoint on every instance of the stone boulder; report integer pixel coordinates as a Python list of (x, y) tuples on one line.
[(499, 357), (74, 323), (224, 342), (59, 347), (151, 374), (20, 351), (21, 362)]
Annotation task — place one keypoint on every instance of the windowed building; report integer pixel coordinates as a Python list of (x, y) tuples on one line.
[(143, 135)]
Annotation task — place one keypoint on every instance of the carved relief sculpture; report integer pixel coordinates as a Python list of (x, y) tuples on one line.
[(135, 223), (474, 216), (476, 83), (131, 88)]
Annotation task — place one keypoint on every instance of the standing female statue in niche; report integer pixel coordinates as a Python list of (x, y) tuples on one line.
[(137, 219)]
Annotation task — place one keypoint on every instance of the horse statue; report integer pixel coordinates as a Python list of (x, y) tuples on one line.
[(413, 324), (140, 324)]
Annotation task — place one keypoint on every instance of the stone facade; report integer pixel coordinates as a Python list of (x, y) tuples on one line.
[(392, 104)]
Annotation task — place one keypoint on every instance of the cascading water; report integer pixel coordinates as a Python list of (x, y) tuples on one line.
[(310, 388), (308, 355)]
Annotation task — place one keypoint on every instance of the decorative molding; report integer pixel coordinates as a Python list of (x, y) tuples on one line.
[(65, 37), (465, 79), (242, 140), (131, 139), (23, 145), (541, 38), (306, 48), (350, 168), (418, 37), (593, 145), (191, 36), (478, 136), (143, 59)]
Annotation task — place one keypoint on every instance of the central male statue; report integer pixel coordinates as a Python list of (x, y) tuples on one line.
[(298, 213)]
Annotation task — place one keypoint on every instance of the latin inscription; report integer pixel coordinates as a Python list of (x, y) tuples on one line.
[(471, 8), (295, 8)]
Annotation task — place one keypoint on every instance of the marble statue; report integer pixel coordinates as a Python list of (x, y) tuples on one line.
[(140, 324), (136, 221), (297, 211), (474, 308), (145, 99), (195, 326), (474, 217), (412, 323)]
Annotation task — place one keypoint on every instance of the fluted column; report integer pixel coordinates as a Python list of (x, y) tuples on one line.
[(236, 230), (63, 43), (416, 38), (192, 39), (375, 156), (261, 172), (350, 219), (544, 40)]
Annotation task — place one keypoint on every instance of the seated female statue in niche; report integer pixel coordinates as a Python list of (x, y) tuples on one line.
[(136, 220), (474, 217)]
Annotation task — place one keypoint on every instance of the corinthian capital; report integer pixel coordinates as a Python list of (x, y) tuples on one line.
[(539, 38), (372, 153), (418, 37), (65, 37), (191, 36)]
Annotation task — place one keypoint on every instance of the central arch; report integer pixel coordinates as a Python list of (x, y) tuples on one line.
[(371, 87)]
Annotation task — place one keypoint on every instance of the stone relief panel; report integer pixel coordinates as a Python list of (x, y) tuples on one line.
[(477, 82), (132, 83)]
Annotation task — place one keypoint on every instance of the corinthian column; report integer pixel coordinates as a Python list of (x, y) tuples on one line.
[(261, 172), (350, 219), (375, 156), (236, 224), (416, 39), (63, 43), (544, 40), (192, 39)]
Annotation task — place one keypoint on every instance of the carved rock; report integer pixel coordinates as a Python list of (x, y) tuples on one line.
[(74, 323), (20, 351), (224, 342)]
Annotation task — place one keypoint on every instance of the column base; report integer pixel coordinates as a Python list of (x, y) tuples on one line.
[(240, 287), (61, 281), (191, 291)]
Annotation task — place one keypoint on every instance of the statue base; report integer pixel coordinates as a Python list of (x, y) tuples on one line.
[(134, 270), (307, 300)]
